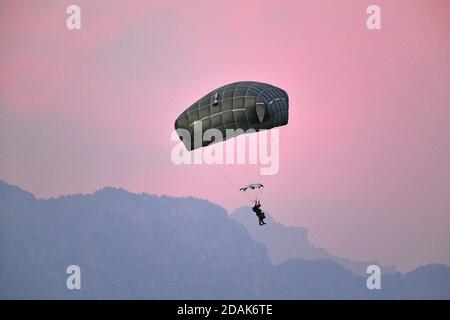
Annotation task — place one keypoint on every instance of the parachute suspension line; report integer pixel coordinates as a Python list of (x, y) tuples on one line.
[(239, 177), (258, 191), (263, 178), (245, 180), (230, 182), (233, 171), (273, 99)]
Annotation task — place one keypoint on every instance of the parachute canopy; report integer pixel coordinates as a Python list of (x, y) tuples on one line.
[(252, 186), (241, 105)]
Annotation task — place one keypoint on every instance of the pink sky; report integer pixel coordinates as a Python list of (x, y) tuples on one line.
[(364, 158)]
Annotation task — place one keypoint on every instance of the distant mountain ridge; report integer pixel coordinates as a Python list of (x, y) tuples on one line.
[(140, 246), (285, 243)]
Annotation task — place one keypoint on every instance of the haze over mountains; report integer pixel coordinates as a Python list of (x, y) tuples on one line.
[(284, 243), (139, 246)]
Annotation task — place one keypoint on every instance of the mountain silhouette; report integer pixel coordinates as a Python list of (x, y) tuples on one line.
[(140, 246), (285, 243)]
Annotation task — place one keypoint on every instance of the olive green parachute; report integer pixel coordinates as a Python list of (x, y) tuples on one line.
[(241, 105)]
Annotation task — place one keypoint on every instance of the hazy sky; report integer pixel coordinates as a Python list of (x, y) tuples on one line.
[(364, 161)]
